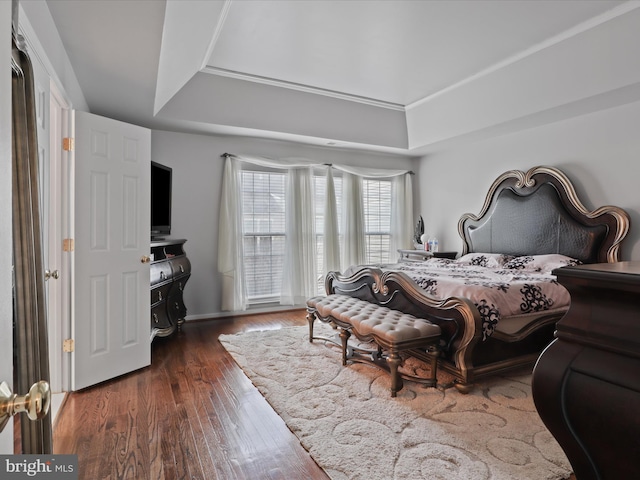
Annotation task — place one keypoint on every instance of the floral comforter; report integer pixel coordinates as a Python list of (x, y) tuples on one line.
[(499, 285)]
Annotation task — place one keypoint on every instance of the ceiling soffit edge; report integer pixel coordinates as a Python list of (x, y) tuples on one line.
[(185, 33), (216, 33)]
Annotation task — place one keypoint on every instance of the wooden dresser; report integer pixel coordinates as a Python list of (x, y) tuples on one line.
[(170, 270), (586, 384)]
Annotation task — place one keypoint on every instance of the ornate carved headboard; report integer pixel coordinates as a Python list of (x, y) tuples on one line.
[(538, 212)]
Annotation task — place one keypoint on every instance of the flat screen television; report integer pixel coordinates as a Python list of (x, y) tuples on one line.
[(160, 200)]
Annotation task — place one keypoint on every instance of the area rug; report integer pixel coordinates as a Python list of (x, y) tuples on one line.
[(347, 420)]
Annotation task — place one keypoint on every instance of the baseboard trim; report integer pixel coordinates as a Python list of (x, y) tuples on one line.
[(243, 313)]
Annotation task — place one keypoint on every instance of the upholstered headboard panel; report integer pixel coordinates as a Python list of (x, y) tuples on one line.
[(538, 212)]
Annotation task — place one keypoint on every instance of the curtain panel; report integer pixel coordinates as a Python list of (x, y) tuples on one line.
[(401, 214), (331, 240), (299, 268), (353, 221), (230, 236), (30, 316)]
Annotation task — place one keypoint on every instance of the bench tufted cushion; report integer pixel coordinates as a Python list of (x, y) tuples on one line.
[(368, 319)]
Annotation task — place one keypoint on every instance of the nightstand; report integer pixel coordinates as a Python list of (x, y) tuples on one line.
[(421, 255), (413, 255)]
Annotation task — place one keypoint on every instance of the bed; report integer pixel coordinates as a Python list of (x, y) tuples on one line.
[(530, 224)]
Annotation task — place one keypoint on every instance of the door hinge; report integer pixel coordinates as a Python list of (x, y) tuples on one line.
[(68, 245), (68, 144), (68, 345)]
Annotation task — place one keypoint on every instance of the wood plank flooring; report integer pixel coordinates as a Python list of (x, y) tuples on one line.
[(191, 414)]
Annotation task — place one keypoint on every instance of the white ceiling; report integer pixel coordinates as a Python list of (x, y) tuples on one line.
[(395, 51), (343, 72)]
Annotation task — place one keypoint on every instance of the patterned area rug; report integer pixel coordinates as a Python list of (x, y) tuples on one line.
[(346, 419)]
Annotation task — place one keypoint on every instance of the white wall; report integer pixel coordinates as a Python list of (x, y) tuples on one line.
[(599, 152), (197, 180), (45, 44)]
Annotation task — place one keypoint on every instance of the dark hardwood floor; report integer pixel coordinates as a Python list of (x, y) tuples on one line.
[(191, 414)]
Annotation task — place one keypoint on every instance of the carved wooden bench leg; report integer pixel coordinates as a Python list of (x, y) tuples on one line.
[(344, 336), (394, 362), (434, 351), (311, 317)]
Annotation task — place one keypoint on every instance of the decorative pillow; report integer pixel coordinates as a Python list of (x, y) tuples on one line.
[(491, 260), (540, 263)]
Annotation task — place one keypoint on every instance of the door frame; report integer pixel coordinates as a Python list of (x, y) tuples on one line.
[(59, 307)]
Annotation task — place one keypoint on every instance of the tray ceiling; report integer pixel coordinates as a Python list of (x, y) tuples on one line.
[(359, 74)]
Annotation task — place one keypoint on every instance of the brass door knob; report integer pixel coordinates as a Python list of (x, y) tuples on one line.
[(35, 403), (145, 259)]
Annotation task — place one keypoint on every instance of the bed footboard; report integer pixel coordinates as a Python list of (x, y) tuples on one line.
[(458, 319)]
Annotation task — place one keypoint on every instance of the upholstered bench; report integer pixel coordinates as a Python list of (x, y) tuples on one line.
[(392, 331)]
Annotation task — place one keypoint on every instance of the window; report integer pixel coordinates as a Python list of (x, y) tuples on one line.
[(377, 215), (377, 212), (263, 205)]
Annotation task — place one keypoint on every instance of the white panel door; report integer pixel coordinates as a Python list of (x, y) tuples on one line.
[(112, 234)]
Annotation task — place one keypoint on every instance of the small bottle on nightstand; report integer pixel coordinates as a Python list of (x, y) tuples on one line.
[(425, 242)]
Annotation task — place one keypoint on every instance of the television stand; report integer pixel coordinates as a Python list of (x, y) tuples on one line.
[(170, 270)]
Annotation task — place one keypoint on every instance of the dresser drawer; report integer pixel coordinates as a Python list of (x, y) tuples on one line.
[(159, 317), (161, 293), (177, 287), (160, 273), (176, 309), (180, 266)]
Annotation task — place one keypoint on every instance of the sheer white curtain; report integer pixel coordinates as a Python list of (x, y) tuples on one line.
[(353, 217), (230, 251), (331, 240), (353, 225), (299, 270), (401, 214), (368, 172)]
